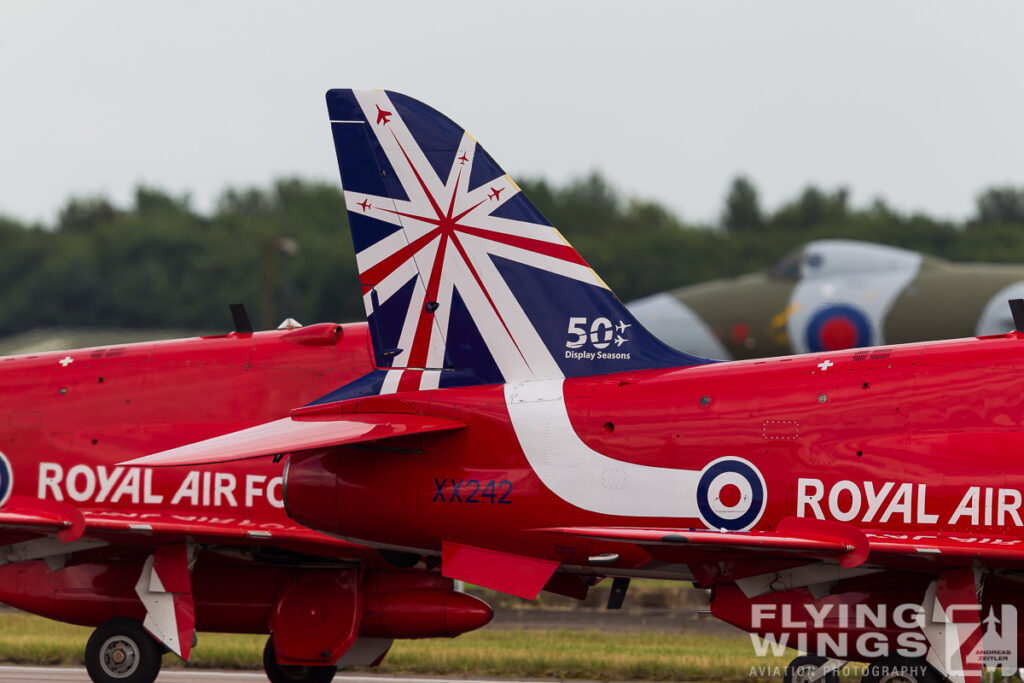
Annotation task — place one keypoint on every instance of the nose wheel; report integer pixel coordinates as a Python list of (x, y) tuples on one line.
[(120, 651), (281, 673)]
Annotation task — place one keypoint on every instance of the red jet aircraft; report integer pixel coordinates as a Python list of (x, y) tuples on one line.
[(150, 556), (856, 505)]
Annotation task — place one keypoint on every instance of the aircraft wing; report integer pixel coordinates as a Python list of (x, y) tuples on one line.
[(23, 516), (816, 539), (800, 537), (293, 434), (948, 548), (169, 528), (23, 519)]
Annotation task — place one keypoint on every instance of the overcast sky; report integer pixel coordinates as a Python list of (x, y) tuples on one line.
[(919, 102)]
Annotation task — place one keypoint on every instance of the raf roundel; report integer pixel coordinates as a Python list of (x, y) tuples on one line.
[(6, 479), (836, 327), (731, 494)]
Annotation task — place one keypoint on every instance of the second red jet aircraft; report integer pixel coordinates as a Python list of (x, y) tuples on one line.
[(522, 429)]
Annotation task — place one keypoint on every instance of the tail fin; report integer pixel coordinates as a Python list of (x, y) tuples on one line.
[(463, 279)]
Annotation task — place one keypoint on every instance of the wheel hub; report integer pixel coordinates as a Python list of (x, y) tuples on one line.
[(119, 657)]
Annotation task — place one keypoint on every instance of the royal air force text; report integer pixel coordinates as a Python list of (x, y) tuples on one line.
[(901, 503), (135, 486)]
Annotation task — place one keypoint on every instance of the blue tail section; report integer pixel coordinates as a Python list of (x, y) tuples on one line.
[(464, 281)]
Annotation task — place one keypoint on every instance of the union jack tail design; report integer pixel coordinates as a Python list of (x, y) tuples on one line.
[(464, 281)]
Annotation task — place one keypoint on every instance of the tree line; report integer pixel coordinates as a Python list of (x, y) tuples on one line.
[(284, 250)]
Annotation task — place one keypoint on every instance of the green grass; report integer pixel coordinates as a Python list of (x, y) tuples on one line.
[(588, 654), (585, 654), (28, 639)]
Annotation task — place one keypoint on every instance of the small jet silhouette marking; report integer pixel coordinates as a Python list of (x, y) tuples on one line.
[(495, 193), (621, 327), (620, 340), (365, 204), (463, 159), (383, 116)]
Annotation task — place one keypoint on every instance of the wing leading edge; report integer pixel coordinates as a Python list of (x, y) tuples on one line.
[(814, 539), (293, 434), (794, 536)]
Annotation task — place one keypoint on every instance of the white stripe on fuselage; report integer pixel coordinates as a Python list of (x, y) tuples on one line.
[(580, 475)]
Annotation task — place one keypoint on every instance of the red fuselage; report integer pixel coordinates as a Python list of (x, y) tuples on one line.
[(914, 445), (941, 422), (69, 417)]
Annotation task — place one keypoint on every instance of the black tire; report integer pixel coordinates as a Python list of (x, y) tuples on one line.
[(279, 673), (801, 668), (900, 670), (120, 651)]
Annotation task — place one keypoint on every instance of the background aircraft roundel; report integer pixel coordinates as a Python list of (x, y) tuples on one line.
[(6, 479), (838, 326), (830, 295)]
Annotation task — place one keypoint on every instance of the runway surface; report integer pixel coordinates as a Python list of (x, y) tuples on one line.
[(78, 675)]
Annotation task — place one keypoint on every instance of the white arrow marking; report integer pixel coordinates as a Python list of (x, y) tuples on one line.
[(580, 475)]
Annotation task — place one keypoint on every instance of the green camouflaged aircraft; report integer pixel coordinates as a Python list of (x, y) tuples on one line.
[(831, 295)]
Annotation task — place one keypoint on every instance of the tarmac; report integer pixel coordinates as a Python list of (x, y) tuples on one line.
[(507, 619), (56, 674)]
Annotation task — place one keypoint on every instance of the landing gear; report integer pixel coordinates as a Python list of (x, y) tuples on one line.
[(900, 670), (811, 669), (120, 651), (280, 673)]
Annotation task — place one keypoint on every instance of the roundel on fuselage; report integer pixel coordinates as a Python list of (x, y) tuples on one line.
[(6, 479), (835, 327), (731, 494)]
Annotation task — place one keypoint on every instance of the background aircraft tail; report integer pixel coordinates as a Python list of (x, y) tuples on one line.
[(463, 279)]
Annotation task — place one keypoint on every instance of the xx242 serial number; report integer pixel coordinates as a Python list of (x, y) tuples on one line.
[(472, 491)]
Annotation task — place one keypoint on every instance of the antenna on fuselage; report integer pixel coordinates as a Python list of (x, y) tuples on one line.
[(241, 318), (1017, 311)]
